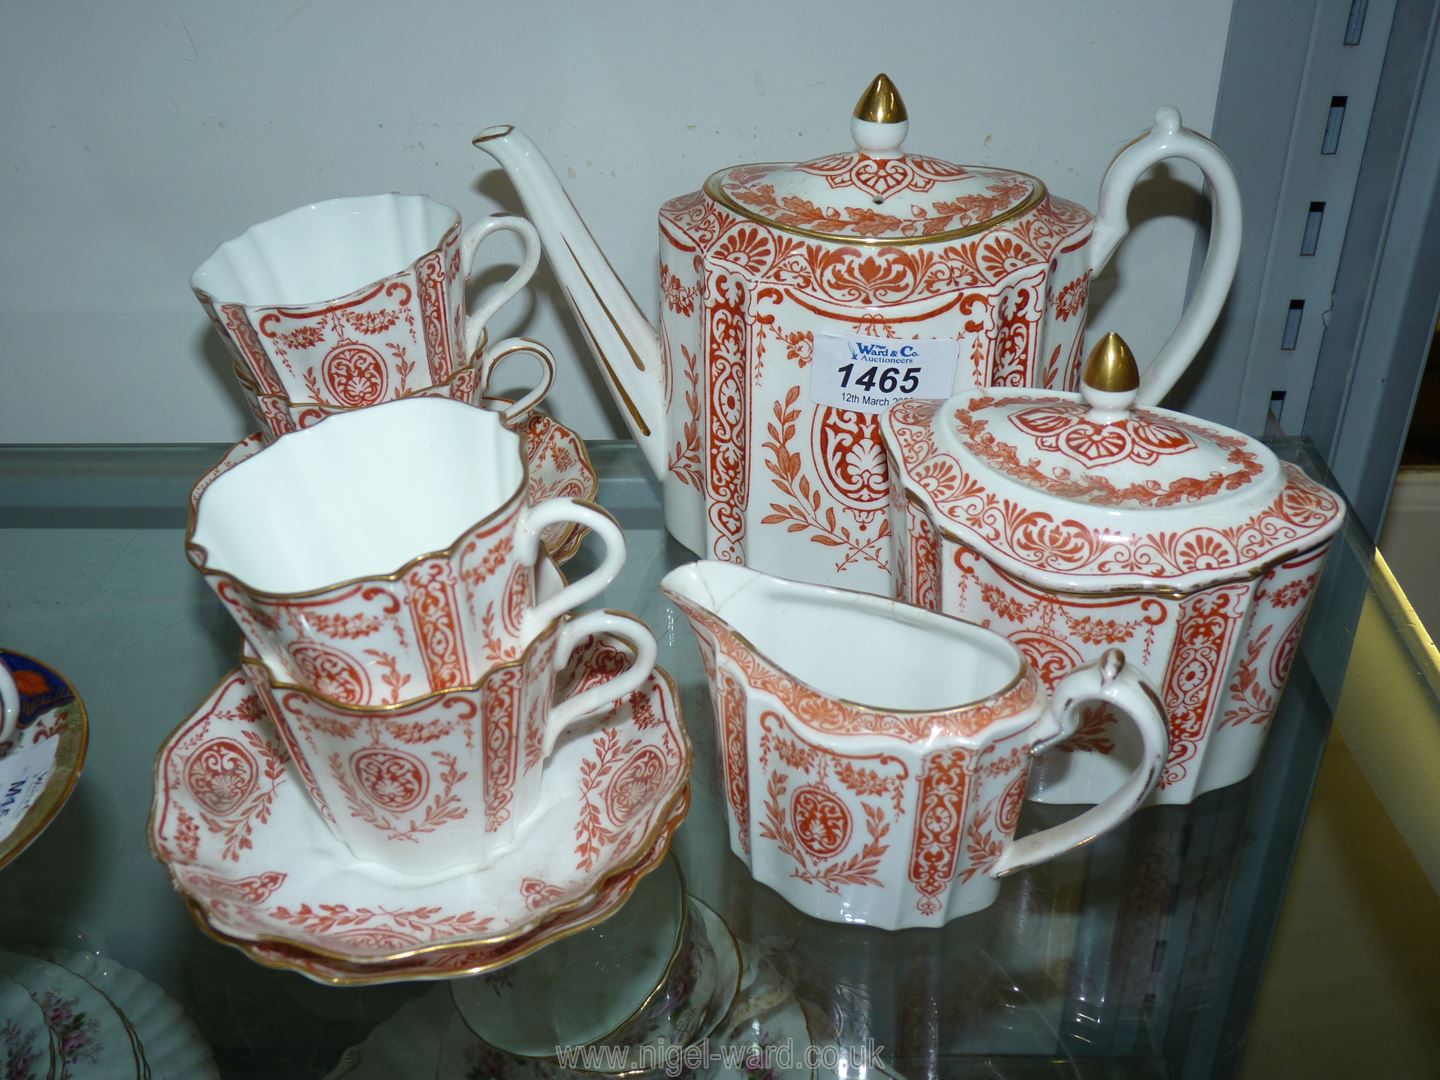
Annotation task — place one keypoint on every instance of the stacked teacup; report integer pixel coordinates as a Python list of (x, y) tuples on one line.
[(426, 763), (352, 302), (385, 567)]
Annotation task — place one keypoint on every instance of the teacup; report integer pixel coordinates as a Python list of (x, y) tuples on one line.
[(278, 415), (390, 552), (900, 811), (446, 780), (355, 301)]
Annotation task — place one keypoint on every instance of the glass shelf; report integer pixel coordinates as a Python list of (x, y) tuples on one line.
[(1140, 955)]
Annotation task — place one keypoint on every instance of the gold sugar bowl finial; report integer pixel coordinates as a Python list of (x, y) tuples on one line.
[(881, 103), (1111, 376), (880, 122)]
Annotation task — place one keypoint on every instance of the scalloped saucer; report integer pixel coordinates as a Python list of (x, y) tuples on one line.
[(233, 825), (608, 899)]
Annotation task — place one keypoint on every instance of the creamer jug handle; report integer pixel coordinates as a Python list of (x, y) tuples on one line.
[(1125, 690), (1169, 139)]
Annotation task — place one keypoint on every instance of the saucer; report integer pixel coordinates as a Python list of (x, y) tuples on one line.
[(608, 899), (95, 1042), (557, 464), (45, 758), (168, 1039), (232, 823)]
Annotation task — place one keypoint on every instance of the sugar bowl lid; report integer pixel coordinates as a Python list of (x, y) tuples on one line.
[(1087, 491), (876, 193)]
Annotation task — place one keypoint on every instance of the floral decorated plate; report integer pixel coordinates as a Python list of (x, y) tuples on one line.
[(556, 459), (168, 1038), (26, 1044), (607, 899), (39, 768), (263, 867), (93, 1039)]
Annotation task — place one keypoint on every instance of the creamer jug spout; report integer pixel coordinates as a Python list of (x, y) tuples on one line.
[(712, 587), (626, 346)]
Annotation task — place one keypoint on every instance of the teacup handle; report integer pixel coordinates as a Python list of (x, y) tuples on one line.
[(509, 347), (9, 704), (1109, 680), (1168, 139), (534, 521), (470, 241), (584, 704)]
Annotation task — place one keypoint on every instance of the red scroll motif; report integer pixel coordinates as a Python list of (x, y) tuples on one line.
[(1011, 803), (635, 784), (822, 823), (1052, 657), (731, 715), (503, 692), (850, 457), (434, 315), (392, 779), (881, 177), (939, 819), (727, 477), (1067, 429), (234, 319), (355, 374), (434, 607), (330, 672), (1204, 639), (221, 775)]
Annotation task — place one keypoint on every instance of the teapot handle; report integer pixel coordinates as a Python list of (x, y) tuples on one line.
[(1168, 139)]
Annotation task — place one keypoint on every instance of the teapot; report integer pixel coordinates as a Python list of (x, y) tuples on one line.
[(800, 300)]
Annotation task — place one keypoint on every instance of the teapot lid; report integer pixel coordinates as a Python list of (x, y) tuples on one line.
[(876, 194), (1086, 491)]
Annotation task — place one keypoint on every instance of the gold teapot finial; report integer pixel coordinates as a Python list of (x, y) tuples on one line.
[(881, 103), (1111, 367)]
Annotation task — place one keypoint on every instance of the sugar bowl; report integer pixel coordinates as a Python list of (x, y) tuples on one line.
[(1077, 523)]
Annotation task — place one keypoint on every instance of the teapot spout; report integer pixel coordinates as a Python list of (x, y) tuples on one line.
[(625, 344)]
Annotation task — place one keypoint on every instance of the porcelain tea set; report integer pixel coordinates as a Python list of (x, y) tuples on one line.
[(940, 542)]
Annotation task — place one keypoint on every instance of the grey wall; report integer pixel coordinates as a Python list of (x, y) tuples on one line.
[(135, 136)]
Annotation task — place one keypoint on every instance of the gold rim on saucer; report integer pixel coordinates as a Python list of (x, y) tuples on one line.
[(657, 853), (64, 773), (667, 821)]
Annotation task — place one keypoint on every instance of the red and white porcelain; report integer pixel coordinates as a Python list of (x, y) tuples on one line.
[(446, 780), (233, 824), (876, 755), (557, 465), (390, 552), (355, 301), (606, 899), (278, 415), (1078, 523), (921, 276)]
